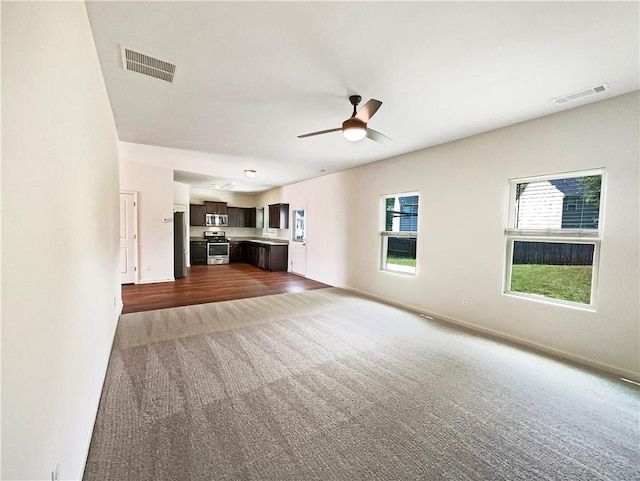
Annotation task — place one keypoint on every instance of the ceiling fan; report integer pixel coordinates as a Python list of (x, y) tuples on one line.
[(355, 127)]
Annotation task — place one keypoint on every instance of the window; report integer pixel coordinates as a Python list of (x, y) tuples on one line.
[(553, 237), (298, 225), (399, 232)]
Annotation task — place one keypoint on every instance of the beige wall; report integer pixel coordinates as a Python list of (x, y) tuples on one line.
[(461, 247), (60, 282)]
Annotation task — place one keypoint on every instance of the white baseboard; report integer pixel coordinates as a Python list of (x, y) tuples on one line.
[(634, 376), (154, 281)]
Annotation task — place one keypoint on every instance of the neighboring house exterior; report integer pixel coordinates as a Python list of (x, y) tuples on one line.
[(555, 204), (402, 214), (577, 212), (409, 214)]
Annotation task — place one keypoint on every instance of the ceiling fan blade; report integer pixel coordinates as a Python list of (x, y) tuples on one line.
[(368, 110), (378, 137), (319, 133)]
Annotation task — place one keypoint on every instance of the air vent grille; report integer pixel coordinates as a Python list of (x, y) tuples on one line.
[(223, 184), (581, 94), (146, 65)]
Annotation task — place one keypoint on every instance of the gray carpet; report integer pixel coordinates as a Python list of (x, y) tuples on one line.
[(324, 385)]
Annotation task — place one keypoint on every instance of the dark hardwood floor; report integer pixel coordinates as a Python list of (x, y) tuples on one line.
[(211, 284)]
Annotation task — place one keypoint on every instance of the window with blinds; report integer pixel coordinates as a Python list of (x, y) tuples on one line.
[(553, 237), (399, 233)]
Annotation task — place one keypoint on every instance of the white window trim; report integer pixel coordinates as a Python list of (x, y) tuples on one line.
[(385, 233), (568, 236)]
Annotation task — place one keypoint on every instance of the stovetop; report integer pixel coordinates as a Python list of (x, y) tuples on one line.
[(215, 237)]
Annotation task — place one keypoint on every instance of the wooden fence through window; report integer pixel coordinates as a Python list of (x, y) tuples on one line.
[(553, 253)]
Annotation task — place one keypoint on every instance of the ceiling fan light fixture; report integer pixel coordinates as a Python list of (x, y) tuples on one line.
[(250, 173), (354, 133), (354, 129)]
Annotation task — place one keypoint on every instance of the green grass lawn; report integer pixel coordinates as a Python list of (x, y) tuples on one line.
[(569, 283), (401, 261)]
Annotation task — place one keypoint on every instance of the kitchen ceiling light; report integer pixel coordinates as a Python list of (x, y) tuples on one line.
[(250, 173)]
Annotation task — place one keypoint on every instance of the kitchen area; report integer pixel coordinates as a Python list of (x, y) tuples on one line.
[(170, 212), (238, 246), (220, 233)]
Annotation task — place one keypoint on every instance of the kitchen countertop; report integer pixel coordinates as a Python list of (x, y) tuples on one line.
[(261, 240)]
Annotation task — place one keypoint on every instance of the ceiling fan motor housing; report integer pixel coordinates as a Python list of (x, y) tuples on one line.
[(353, 123)]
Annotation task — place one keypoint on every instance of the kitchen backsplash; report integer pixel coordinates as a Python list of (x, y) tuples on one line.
[(242, 232)]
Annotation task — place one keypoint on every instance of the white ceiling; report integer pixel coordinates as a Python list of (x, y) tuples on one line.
[(251, 76)]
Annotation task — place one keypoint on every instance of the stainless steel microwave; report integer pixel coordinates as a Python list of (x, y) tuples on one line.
[(217, 220)]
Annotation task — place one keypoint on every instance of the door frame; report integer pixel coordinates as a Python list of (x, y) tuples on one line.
[(136, 270)]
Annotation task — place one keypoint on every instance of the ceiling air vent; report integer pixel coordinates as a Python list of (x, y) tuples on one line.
[(222, 184), (581, 94), (146, 65)]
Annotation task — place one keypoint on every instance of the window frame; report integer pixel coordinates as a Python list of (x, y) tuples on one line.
[(385, 234), (553, 235)]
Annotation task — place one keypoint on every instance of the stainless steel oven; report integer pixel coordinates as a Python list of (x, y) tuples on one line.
[(217, 248), (217, 253)]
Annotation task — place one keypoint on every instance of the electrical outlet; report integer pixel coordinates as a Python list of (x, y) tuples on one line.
[(148, 268), (55, 472), (465, 301)]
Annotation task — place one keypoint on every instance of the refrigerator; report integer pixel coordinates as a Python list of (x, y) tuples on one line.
[(179, 245)]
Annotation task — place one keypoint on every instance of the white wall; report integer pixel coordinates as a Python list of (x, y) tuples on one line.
[(181, 194), (234, 199), (463, 189), (328, 216), (155, 189), (59, 237)]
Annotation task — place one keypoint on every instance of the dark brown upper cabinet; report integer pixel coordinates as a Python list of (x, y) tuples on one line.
[(279, 216), (196, 214), (250, 217), (236, 217), (216, 207)]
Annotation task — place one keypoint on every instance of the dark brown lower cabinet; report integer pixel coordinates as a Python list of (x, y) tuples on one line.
[(265, 256), (236, 251), (278, 258), (198, 252)]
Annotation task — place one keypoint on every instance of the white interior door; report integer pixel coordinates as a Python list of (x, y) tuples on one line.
[(298, 245), (128, 238)]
